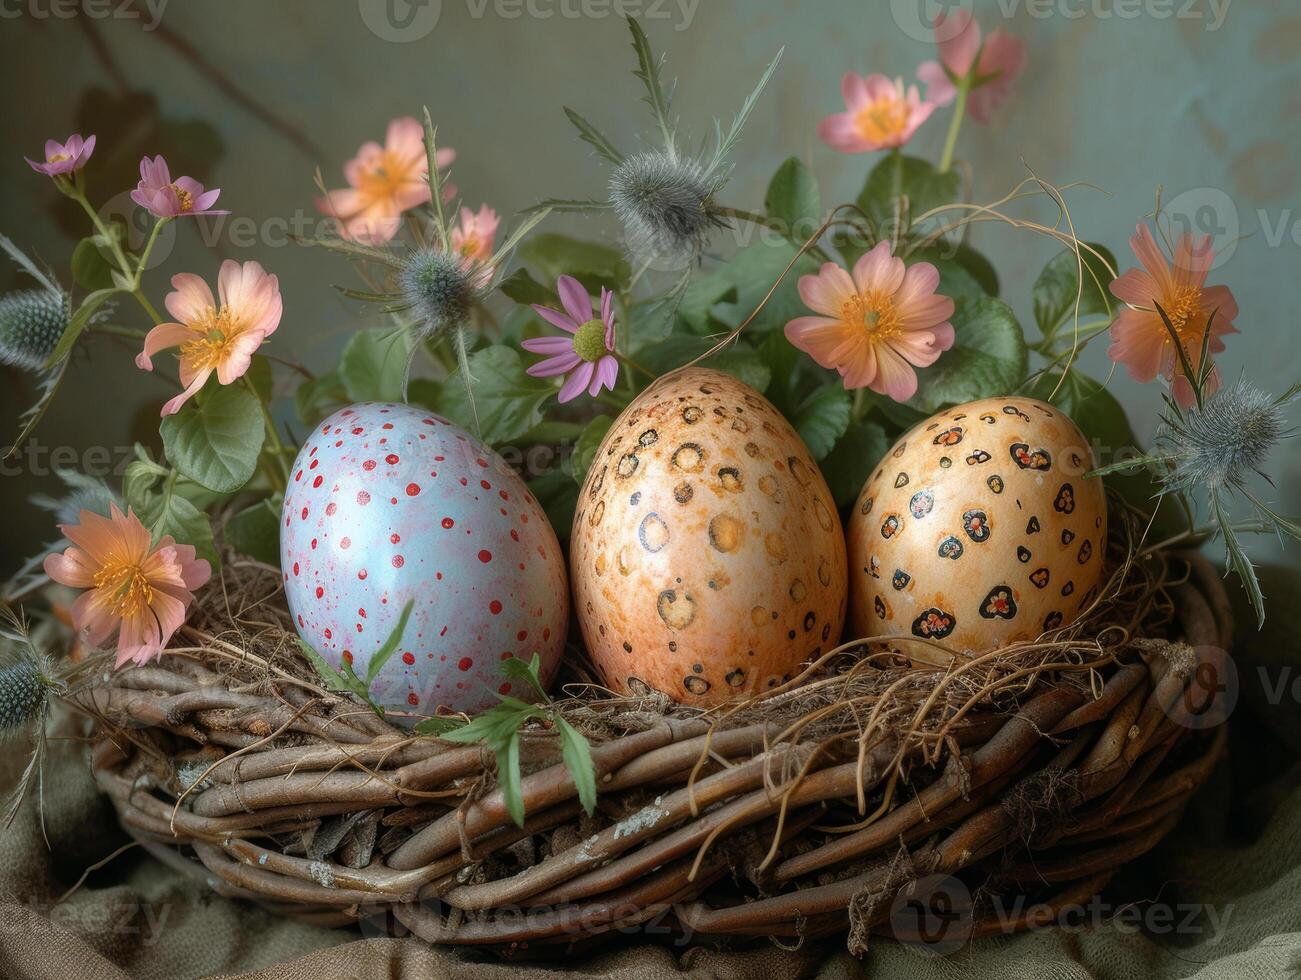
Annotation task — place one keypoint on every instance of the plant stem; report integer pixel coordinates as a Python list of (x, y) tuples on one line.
[(955, 124), (110, 330), (277, 447), (860, 403)]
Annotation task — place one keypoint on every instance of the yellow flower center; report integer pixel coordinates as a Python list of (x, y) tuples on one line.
[(184, 196), (882, 120), (124, 586), (873, 313), (1186, 317), (213, 339), (57, 158), (385, 179)]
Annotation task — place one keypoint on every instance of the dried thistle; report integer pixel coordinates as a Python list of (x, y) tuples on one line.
[(28, 682), (31, 323), (664, 198), (1215, 448), (439, 289)]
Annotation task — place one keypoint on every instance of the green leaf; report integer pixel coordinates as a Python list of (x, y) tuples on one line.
[(822, 418), (373, 365), (390, 645), (331, 678), (551, 255), (577, 755), (439, 725), (216, 441), (530, 672), (508, 400), (793, 199), (90, 270), (648, 70), (752, 272), (897, 176), (955, 266), (525, 290), (848, 466), (593, 137), (557, 492), (78, 323), (988, 357), (1056, 289), (743, 362), (580, 461), (1238, 559), (170, 513), (317, 397), (698, 300), (255, 531)]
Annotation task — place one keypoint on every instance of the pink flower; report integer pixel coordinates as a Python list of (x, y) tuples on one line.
[(588, 355), (383, 182), (1139, 338), (473, 239), (134, 589), (64, 158), (873, 326), (212, 337), (163, 197), (880, 115), (989, 69)]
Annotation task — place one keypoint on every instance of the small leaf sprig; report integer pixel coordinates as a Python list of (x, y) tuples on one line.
[(345, 679), (499, 729)]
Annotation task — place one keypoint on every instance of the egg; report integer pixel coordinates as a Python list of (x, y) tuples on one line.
[(388, 504), (707, 554), (979, 528)]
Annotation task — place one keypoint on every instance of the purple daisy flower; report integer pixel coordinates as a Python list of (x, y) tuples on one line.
[(64, 158), (163, 197), (587, 355)]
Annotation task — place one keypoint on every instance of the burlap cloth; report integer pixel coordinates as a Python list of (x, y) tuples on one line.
[(1220, 898)]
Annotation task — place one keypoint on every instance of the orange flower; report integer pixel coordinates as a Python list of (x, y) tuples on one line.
[(383, 182), (473, 239), (136, 590), (876, 326), (211, 337), (1139, 338)]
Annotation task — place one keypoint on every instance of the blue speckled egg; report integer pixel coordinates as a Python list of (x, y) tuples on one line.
[(390, 503)]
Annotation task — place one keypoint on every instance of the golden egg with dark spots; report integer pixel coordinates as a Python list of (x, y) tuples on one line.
[(980, 529), (728, 547)]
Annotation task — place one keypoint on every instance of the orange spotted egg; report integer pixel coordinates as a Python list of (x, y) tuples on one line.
[(707, 556), (979, 528)]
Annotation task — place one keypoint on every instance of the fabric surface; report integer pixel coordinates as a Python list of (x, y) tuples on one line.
[(1220, 898)]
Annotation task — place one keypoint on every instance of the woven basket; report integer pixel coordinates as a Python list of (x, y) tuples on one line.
[(227, 761)]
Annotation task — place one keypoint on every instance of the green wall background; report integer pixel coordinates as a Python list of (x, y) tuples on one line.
[(1203, 98)]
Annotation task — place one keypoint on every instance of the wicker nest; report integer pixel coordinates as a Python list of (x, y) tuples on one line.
[(826, 806)]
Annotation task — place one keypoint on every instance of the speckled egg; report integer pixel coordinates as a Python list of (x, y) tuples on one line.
[(707, 554), (979, 528), (389, 503)]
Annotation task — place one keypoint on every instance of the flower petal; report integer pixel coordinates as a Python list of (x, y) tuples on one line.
[(574, 298), (827, 291), (577, 381)]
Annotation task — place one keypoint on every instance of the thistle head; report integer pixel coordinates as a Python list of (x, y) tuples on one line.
[(1231, 436), (664, 204), (83, 493), (439, 288), (31, 323), (23, 694)]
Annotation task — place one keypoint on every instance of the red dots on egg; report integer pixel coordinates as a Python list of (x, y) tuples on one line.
[(394, 538), (408, 658), (466, 663), (318, 481), (448, 523), (345, 543), (391, 459), (368, 465), (331, 509), (320, 591), (363, 498), (413, 699), (485, 556), (413, 489), (495, 607), (398, 561)]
